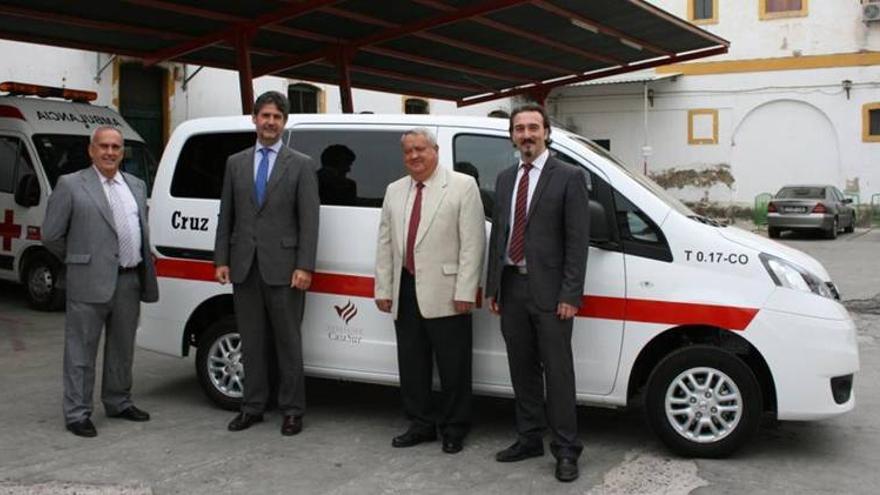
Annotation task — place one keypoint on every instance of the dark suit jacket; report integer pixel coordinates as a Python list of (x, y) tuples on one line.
[(557, 234), (79, 229), (283, 232)]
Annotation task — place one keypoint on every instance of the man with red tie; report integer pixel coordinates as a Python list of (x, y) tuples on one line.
[(537, 262), (429, 258)]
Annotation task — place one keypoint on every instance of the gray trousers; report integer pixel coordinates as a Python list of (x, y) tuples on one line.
[(268, 319), (82, 333), (539, 353)]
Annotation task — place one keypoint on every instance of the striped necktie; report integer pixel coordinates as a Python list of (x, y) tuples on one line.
[(516, 251), (127, 255)]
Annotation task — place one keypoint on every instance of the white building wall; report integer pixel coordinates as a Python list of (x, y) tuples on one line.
[(831, 26), (774, 126)]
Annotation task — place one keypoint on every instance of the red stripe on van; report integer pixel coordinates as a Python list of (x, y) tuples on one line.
[(610, 308), (650, 311)]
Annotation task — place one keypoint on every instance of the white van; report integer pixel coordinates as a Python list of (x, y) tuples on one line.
[(41, 139), (716, 325)]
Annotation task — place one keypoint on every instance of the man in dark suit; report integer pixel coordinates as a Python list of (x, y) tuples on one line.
[(96, 221), (267, 237), (537, 262)]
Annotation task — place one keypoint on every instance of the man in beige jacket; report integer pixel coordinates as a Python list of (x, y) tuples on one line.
[(428, 263)]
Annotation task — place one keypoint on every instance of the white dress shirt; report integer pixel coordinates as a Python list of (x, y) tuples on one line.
[(534, 175), (273, 155), (131, 214)]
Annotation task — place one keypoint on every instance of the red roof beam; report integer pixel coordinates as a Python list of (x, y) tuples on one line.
[(521, 33), (393, 33), (601, 28), (223, 17), (285, 13), (718, 50), (411, 78), (450, 42), (464, 69), (666, 16), (88, 23)]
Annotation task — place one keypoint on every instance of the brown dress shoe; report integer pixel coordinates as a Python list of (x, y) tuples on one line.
[(291, 425), (244, 421), (83, 428)]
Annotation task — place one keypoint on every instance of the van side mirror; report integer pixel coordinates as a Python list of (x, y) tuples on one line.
[(598, 223), (27, 193), (847, 201)]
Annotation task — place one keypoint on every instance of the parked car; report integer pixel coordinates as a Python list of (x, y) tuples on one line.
[(810, 207)]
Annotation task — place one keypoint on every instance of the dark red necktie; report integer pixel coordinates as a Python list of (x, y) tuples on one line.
[(414, 219), (516, 250)]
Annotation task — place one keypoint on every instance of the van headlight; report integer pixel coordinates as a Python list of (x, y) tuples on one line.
[(787, 274)]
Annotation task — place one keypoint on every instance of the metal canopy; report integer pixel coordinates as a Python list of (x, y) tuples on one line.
[(469, 51)]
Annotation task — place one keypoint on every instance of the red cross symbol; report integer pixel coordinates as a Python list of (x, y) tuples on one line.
[(9, 230)]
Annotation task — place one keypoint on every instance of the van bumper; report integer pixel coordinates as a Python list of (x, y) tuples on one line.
[(812, 361)]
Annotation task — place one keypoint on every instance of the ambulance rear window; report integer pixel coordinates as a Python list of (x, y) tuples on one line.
[(63, 154)]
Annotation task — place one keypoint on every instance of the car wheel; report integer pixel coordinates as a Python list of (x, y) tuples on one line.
[(831, 233), (849, 229), (773, 232), (219, 365), (703, 401), (41, 277)]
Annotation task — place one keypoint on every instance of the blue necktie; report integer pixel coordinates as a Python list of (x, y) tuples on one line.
[(262, 176)]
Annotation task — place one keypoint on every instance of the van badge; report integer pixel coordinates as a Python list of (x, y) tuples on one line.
[(347, 312)]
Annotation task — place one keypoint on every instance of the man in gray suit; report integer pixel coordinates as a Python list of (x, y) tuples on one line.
[(96, 221), (267, 237), (537, 262)]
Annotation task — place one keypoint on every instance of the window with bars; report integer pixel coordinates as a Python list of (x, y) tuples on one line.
[(416, 106), (303, 98)]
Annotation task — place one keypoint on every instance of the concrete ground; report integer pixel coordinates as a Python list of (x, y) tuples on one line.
[(345, 447)]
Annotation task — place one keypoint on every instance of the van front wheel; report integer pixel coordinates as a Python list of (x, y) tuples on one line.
[(703, 401), (219, 364), (41, 278)]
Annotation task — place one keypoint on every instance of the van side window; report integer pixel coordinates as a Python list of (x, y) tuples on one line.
[(354, 165), (14, 163), (638, 233), (483, 157), (202, 163), (63, 154)]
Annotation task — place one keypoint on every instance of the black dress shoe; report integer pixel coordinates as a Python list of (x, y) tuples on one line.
[(566, 469), (291, 425), (411, 438), (83, 428), (244, 421), (132, 414), (519, 452), (452, 445)]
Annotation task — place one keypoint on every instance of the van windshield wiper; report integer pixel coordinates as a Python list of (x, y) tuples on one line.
[(706, 220)]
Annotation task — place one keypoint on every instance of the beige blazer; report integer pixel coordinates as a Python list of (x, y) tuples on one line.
[(449, 243)]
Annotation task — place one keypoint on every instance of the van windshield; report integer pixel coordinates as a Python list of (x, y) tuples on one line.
[(64, 153), (649, 184)]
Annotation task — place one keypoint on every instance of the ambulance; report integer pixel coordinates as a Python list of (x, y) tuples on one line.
[(711, 328), (44, 133)]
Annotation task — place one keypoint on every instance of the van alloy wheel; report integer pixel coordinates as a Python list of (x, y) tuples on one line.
[(703, 404), (703, 401), (219, 363), (41, 278)]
